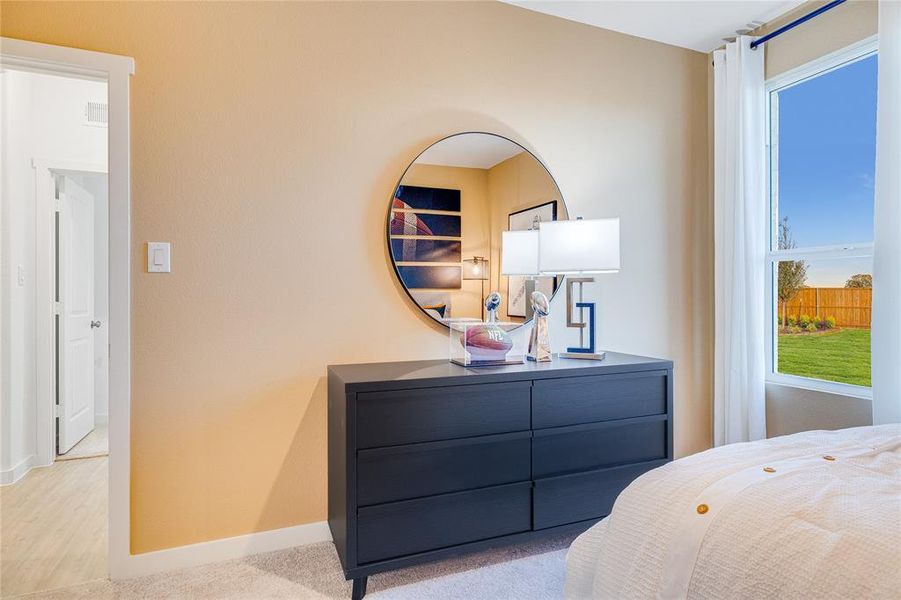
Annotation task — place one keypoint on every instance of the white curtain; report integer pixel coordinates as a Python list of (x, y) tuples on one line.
[(740, 215), (886, 326)]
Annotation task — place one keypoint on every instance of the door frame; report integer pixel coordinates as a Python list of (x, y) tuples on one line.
[(117, 71), (44, 293)]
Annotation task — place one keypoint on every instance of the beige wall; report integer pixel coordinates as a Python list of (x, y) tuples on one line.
[(266, 141), (833, 30), (790, 410), (475, 227)]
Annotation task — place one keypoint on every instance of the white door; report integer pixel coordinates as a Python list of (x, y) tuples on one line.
[(75, 350)]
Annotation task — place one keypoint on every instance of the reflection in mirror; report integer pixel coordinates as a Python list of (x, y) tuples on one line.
[(446, 219)]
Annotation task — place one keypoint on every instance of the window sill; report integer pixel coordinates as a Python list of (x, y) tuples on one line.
[(819, 385)]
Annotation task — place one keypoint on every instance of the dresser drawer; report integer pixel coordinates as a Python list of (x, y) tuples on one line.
[(595, 445), (583, 496), (416, 470), (558, 402), (402, 528), (441, 413)]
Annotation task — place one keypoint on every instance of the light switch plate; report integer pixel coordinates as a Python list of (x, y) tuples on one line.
[(158, 257)]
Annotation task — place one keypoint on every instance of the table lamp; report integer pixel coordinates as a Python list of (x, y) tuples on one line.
[(520, 250), (520, 257), (476, 269), (578, 248)]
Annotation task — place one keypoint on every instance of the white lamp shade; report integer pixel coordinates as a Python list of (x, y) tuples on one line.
[(579, 247), (519, 252)]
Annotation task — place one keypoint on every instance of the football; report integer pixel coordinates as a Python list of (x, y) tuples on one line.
[(487, 342)]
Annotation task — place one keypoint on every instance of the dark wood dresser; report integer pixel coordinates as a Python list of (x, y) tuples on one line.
[(428, 459)]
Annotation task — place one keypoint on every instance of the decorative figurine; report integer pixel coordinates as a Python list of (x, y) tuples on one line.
[(492, 303), (539, 342)]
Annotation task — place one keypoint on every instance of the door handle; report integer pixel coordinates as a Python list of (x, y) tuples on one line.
[(95, 324)]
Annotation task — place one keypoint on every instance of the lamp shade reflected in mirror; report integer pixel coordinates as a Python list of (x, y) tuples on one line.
[(447, 217), (519, 250)]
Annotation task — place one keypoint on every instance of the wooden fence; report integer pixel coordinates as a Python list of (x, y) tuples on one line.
[(851, 307)]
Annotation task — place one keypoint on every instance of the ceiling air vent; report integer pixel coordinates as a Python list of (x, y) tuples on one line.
[(96, 114)]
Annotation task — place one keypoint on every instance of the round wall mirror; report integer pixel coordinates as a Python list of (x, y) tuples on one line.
[(446, 218)]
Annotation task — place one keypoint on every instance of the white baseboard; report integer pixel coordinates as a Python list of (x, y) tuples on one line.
[(204, 553), (17, 472)]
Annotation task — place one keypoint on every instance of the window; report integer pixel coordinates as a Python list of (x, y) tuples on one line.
[(822, 163)]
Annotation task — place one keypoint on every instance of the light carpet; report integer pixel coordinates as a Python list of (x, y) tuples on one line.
[(524, 572)]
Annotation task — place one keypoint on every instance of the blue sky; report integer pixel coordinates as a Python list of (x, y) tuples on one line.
[(827, 161)]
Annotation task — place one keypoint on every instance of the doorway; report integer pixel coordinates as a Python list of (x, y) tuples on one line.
[(82, 309), (55, 354), (117, 71)]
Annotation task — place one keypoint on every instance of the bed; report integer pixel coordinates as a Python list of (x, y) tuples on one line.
[(811, 515)]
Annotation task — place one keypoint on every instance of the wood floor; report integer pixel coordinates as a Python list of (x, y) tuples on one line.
[(95, 443), (53, 527)]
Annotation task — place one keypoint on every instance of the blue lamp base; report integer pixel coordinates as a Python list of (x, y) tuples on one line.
[(588, 352)]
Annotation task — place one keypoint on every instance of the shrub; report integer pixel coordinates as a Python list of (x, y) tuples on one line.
[(830, 322), (804, 320), (812, 327), (819, 321), (794, 329), (791, 321)]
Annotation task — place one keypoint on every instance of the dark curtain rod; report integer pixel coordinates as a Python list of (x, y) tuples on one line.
[(795, 23)]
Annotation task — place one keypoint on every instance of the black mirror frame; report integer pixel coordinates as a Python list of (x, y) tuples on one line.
[(560, 284)]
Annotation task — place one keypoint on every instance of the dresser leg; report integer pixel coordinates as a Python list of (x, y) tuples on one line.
[(359, 588)]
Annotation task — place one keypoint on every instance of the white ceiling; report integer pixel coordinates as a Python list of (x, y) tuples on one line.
[(473, 150), (695, 24)]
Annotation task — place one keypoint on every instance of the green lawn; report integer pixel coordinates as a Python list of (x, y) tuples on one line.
[(842, 355)]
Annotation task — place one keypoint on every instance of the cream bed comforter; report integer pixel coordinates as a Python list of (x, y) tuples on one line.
[(811, 515)]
